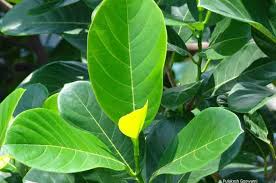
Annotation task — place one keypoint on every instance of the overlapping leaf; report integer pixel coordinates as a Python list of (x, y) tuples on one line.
[(78, 105), (39, 176), (174, 97), (7, 108), (54, 75), (206, 137), (254, 12), (126, 53), (229, 36), (41, 139), (33, 97), (248, 97), (19, 21), (232, 67)]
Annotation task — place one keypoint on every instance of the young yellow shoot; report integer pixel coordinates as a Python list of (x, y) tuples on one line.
[(132, 123)]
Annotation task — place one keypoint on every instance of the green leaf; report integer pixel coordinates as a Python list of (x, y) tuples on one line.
[(7, 108), (38, 176), (214, 165), (174, 97), (78, 105), (229, 36), (126, 56), (265, 44), (195, 146), (256, 125), (254, 12), (245, 97), (185, 72), (175, 43), (238, 63), (61, 50), (261, 72), (101, 176), (54, 75), (18, 21), (181, 20), (41, 139), (158, 139), (52, 103), (33, 97), (92, 3), (77, 38), (49, 5), (254, 145)]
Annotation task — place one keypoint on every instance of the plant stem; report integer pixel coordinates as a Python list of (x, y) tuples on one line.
[(137, 160), (208, 15), (199, 43), (199, 62), (168, 69), (272, 151)]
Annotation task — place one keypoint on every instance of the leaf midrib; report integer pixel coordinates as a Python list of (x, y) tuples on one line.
[(213, 141), (118, 152), (67, 148), (130, 60)]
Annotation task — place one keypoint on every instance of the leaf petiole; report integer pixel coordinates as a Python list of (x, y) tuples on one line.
[(137, 160)]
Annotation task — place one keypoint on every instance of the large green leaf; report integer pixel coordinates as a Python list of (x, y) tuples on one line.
[(158, 139), (41, 139), (229, 36), (78, 105), (231, 67), (18, 21), (247, 97), (214, 165), (126, 54), (54, 75), (254, 12), (38, 176), (206, 137), (33, 97), (7, 108)]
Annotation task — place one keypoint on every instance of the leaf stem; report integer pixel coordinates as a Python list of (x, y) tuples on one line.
[(199, 43), (208, 15), (206, 65), (168, 69), (137, 160), (272, 151)]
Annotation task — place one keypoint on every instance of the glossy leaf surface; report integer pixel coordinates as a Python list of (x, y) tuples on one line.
[(78, 105), (195, 146), (7, 108), (18, 21), (126, 53), (54, 75), (41, 139)]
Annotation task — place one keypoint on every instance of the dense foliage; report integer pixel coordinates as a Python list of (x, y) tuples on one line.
[(166, 91)]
